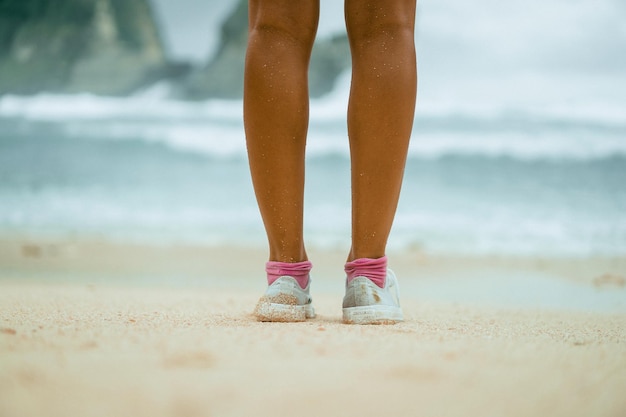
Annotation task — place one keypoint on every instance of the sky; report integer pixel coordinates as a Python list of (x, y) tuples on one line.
[(575, 34), (567, 48)]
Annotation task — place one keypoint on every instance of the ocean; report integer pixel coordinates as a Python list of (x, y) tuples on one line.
[(494, 177)]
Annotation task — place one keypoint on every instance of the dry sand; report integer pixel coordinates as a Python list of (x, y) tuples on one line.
[(97, 329)]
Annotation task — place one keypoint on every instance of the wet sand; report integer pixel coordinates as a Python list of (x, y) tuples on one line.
[(94, 328)]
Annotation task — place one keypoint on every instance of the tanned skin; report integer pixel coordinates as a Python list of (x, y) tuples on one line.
[(380, 116)]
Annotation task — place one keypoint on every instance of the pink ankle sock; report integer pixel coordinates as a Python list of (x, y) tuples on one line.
[(298, 270), (374, 269)]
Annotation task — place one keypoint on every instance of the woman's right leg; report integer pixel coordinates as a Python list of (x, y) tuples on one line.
[(276, 115)]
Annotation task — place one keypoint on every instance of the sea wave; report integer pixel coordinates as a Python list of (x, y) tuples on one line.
[(136, 168), (215, 128)]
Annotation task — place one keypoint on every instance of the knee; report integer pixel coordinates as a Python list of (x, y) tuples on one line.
[(286, 24), (392, 21), (283, 32)]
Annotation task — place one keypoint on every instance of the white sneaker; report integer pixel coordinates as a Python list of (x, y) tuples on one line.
[(367, 303), (285, 301)]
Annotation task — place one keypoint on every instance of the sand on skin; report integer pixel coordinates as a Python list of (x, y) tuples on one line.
[(82, 347)]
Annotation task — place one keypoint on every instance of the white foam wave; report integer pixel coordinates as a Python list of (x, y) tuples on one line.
[(207, 139), (549, 145), (53, 107), (215, 127)]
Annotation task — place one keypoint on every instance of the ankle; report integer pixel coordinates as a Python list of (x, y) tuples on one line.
[(373, 269), (297, 270)]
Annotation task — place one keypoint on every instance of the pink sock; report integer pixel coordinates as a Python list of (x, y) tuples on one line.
[(298, 270), (374, 269)]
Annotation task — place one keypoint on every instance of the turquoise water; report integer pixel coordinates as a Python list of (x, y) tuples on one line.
[(146, 168)]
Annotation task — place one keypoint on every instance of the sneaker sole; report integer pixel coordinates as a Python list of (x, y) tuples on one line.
[(286, 313), (375, 314)]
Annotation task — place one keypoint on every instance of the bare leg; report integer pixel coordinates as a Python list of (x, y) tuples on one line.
[(380, 115), (276, 116)]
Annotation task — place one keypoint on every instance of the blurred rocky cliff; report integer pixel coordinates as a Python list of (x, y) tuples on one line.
[(114, 47), (99, 46), (223, 74)]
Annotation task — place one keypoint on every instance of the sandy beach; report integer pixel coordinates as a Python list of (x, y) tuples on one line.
[(91, 328), (132, 241)]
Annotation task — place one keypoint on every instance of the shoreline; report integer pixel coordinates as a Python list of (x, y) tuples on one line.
[(568, 283)]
